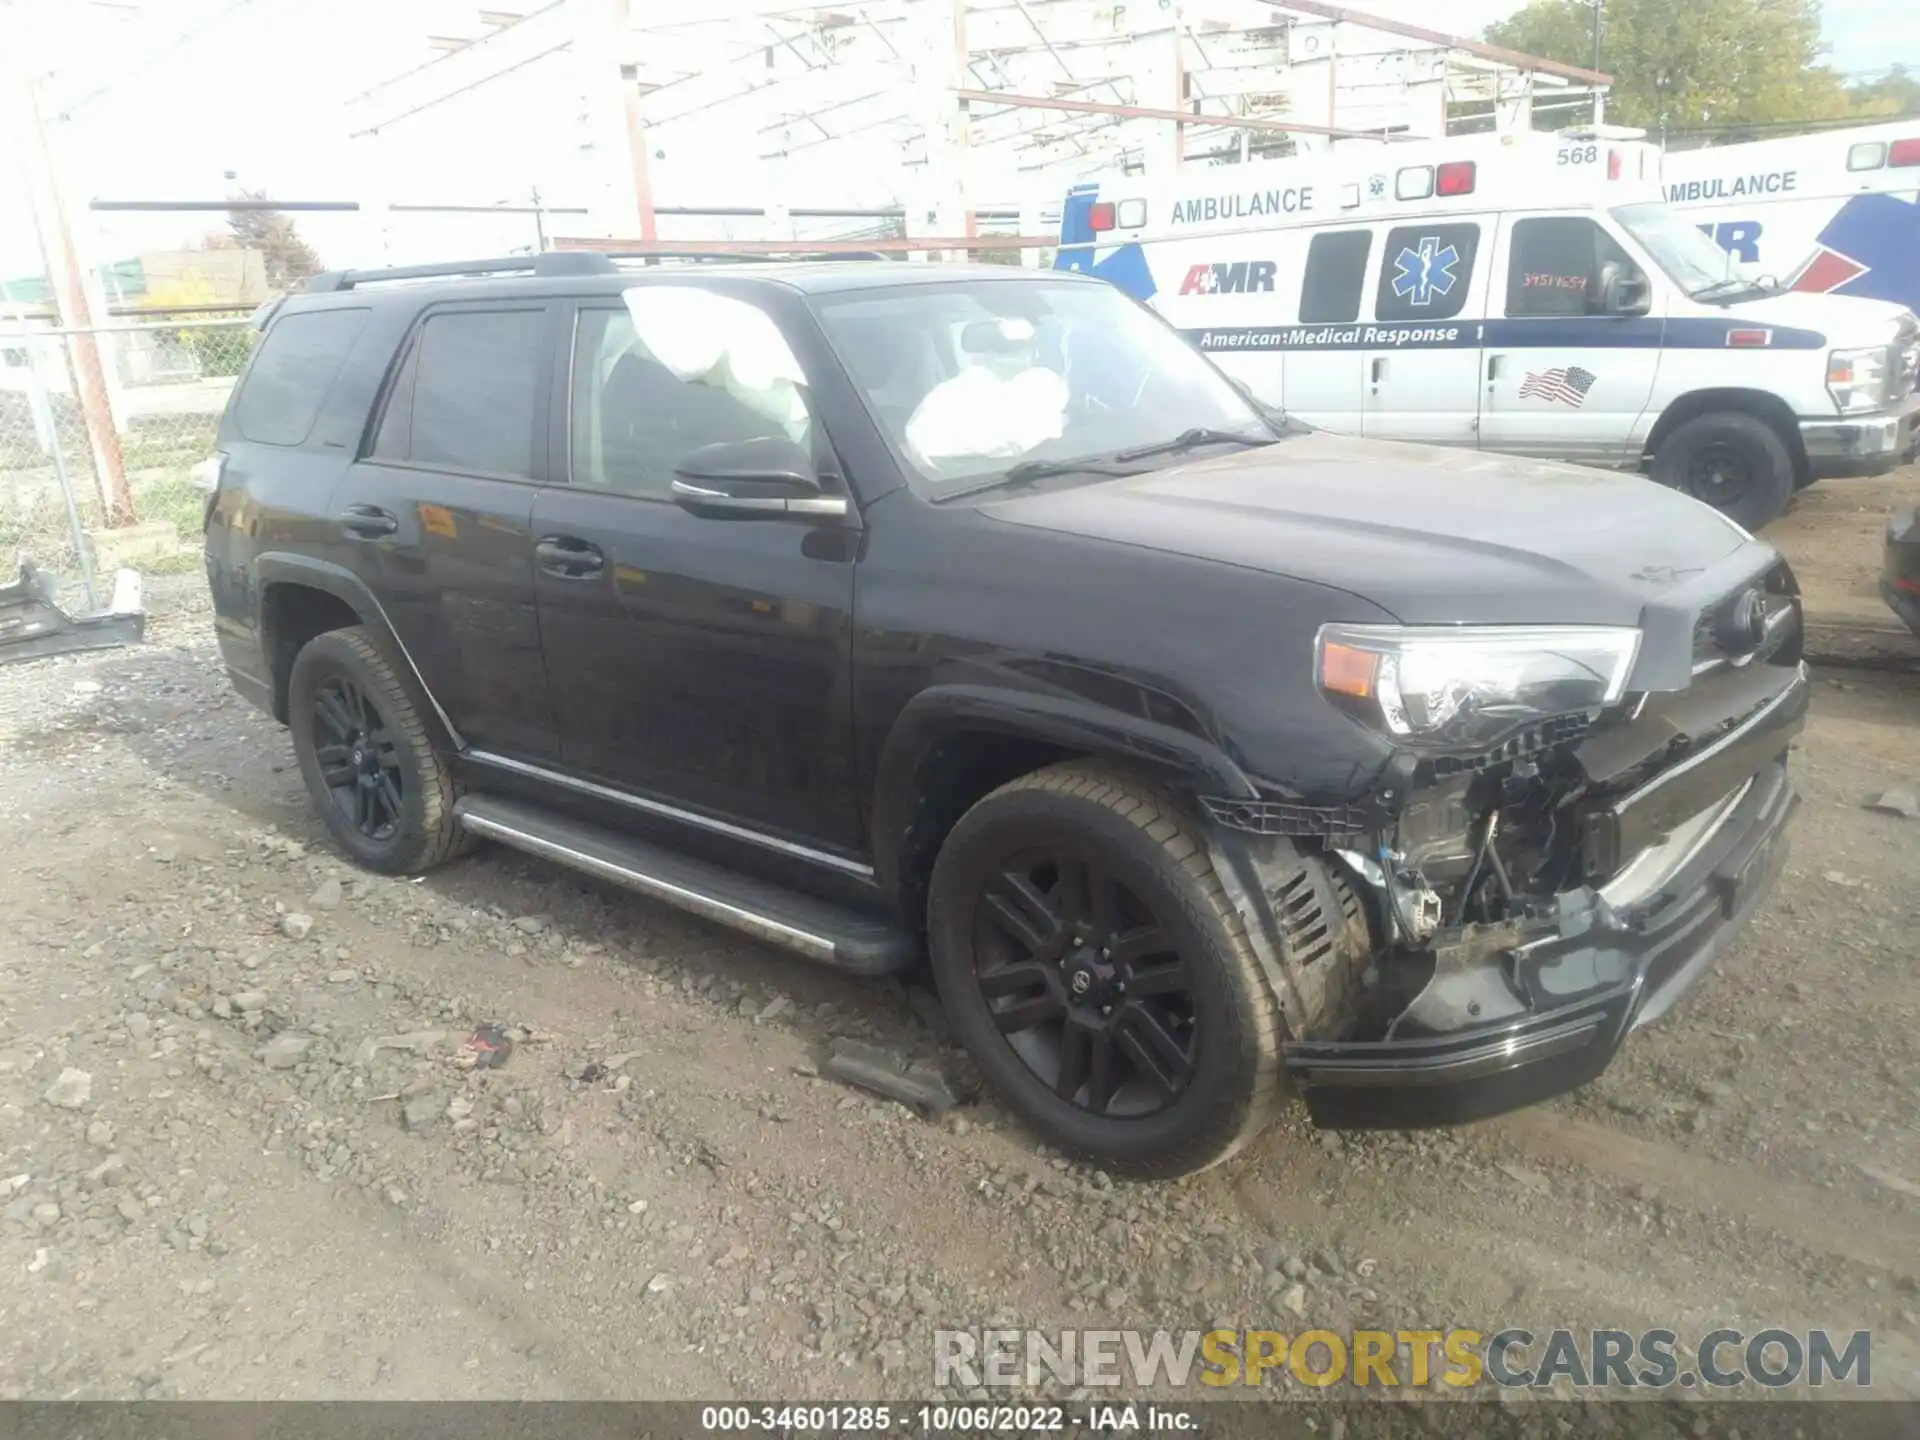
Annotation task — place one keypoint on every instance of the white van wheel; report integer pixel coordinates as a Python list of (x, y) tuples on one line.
[(1733, 461)]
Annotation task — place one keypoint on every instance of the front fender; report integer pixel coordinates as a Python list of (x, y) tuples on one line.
[(942, 713)]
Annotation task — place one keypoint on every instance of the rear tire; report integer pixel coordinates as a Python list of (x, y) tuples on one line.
[(1159, 1029), (1733, 461), (368, 759)]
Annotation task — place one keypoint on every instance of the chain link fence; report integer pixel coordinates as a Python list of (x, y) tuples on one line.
[(166, 383)]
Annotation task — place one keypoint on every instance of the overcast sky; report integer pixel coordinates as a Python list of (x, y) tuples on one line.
[(167, 103)]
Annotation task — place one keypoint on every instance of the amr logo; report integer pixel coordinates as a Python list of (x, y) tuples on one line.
[(1423, 275)]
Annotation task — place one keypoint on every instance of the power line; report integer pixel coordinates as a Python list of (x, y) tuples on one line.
[(159, 52)]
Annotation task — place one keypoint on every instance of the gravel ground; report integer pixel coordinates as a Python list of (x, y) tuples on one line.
[(241, 1156)]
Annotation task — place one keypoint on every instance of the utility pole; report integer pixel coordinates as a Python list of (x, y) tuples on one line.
[(1599, 96), (616, 130), (68, 281)]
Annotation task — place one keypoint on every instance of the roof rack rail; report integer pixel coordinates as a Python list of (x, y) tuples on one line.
[(551, 262), (735, 257), (264, 312)]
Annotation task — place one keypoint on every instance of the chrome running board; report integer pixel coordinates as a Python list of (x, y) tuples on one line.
[(822, 931)]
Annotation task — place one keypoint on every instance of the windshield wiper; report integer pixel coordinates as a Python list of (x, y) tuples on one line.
[(1028, 471), (1733, 283), (1042, 469), (1193, 439)]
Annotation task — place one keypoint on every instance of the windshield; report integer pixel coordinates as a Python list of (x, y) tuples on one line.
[(972, 378), (1681, 248)]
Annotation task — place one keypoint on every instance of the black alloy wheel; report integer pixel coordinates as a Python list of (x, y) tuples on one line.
[(359, 758), (368, 757), (1084, 983), (1090, 960)]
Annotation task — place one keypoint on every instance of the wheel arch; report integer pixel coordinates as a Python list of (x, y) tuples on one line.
[(953, 744), (301, 597), (1761, 404)]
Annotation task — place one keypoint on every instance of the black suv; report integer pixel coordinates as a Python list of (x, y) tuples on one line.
[(880, 609)]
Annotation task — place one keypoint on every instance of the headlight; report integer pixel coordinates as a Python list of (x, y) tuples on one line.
[(1857, 379), (1469, 687)]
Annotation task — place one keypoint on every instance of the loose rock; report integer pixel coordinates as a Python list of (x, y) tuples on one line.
[(1902, 802), (1525, 1175), (70, 1091), (283, 1052), (421, 1112)]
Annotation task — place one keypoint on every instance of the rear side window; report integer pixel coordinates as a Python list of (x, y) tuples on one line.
[(1554, 265), (467, 397), (289, 378), (1426, 272), (1336, 271)]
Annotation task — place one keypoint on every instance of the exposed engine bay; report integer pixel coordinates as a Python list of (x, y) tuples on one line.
[(1484, 860), (1421, 922)]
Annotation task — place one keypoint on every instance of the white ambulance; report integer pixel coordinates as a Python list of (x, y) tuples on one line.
[(1533, 294), (1834, 213)]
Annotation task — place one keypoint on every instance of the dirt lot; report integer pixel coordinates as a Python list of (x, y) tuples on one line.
[(276, 1181)]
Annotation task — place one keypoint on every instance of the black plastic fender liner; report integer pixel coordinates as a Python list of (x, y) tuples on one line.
[(1308, 929)]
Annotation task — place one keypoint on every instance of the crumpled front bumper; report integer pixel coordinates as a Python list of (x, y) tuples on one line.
[(1506, 1028)]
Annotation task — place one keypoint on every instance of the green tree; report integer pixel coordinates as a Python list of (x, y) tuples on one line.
[(1702, 62), (287, 258), (1895, 93)]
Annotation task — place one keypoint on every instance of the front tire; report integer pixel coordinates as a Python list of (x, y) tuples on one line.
[(1735, 462), (368, 758), (1092, 964)]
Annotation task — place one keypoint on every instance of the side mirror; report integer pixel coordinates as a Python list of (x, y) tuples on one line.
[(759, 479), (1624, 291)]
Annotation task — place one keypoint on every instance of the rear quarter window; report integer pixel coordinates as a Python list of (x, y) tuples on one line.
[(467, 395), (290, 376), (1336, 272)]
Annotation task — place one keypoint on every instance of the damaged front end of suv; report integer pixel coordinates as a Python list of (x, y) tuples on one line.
[(1571, 825)]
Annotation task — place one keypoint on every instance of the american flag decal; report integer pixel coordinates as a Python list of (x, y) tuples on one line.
[(1568, 386)]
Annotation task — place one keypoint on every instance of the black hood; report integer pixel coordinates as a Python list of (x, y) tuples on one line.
[(1432, 535)]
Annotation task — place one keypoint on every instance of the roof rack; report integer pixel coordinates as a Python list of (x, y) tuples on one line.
[(551, 262), (734, 257), (566, 262)]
